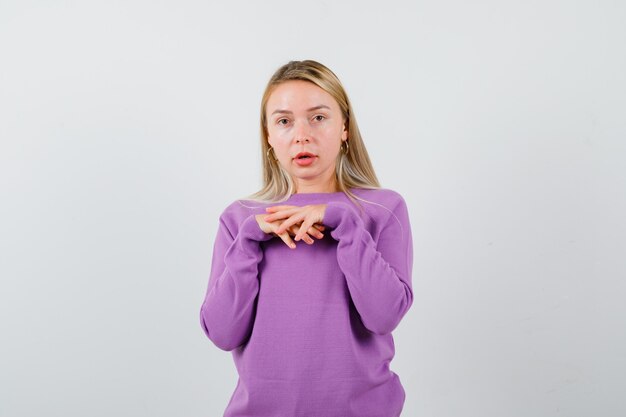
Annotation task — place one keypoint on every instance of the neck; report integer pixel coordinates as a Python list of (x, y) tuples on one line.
[(316, 187)]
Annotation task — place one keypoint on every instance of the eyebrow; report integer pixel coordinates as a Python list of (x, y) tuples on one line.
[(321, 106)]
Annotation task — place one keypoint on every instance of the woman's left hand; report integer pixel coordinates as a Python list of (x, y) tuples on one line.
[(306, 216)]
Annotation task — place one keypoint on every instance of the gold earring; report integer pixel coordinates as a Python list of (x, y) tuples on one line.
[(268, 154), (347, 147)]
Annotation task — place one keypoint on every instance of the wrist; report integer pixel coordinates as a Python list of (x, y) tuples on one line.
[(252, 229)]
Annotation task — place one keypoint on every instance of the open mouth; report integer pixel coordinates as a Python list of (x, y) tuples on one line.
[(304, 159)]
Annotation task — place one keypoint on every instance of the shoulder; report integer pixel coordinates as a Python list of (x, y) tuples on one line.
[(235, 213), (383, 198), (243, 207), (384, 207)]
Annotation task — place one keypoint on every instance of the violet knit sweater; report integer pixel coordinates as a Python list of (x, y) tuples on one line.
[(310, 328)]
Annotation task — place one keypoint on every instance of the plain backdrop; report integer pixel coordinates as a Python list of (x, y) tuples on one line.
[(126, 128)]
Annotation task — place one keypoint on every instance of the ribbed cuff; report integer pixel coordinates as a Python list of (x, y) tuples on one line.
[(333, 213), (250, 229), (342, 218)]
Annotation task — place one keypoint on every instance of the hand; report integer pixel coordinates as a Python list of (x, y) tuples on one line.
[(305, 216), (285, 235)]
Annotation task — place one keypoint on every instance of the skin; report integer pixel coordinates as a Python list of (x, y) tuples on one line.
[(302, 117), (285, 233)]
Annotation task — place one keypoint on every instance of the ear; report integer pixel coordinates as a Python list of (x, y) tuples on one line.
[(344, 134)]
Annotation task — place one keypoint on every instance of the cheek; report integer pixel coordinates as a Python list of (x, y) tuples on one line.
[(333, 132), (280, 149), (274, 140), (332, 140), (277, 135)]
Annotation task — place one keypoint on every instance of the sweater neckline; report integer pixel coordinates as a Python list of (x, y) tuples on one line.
[(315, 197), (332, 194), (316, 194), (318, 198)]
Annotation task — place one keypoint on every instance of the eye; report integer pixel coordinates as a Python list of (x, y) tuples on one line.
[(319, 117), (280, 121)]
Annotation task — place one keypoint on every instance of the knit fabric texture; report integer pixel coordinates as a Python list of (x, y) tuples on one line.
[(310, 328)]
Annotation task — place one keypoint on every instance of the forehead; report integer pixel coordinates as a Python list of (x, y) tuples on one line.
[(298, 95)]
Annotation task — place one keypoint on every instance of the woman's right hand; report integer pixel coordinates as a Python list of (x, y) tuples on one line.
[(271, 227)]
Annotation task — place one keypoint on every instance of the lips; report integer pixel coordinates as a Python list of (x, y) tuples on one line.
[(304, 155), (305, 159)]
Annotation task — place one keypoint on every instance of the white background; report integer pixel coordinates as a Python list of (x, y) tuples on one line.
[(126, 128)]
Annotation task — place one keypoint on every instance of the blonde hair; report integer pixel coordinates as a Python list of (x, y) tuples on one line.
[(352, 170)]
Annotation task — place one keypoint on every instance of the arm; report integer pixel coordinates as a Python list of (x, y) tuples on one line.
[(378, 275), (227, 312)]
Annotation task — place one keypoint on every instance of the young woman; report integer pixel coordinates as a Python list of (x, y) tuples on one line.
[(309, 325)]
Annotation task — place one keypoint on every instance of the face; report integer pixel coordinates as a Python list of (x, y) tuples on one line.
[(304, 120)]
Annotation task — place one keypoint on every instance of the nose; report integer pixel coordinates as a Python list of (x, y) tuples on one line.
[(301, 133)]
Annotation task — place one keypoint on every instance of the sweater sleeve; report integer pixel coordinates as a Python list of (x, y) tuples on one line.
[(227, 313), (378, 275)]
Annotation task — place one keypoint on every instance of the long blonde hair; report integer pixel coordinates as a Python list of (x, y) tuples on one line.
[(352, 170)]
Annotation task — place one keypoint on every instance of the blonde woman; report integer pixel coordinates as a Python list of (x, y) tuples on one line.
[(311, 274)]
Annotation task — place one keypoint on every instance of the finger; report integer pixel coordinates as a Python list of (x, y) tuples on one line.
[(287, 239), (276, 208), (281, 214), (314, 232), (306, 225), (306, 237), (319, 227), (296, 218)]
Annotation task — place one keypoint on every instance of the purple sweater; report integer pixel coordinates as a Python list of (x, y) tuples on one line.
[(310, 328)]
